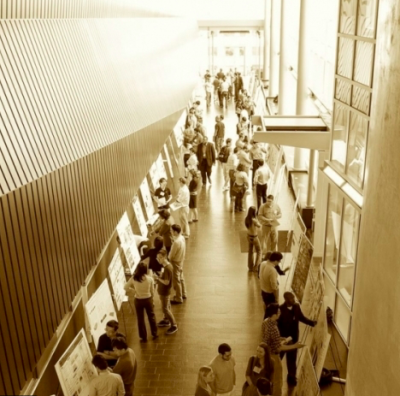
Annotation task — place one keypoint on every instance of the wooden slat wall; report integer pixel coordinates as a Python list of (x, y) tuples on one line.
[(85, 107)]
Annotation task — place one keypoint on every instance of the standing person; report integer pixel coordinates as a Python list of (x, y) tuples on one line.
[(261, 178), (208, 88), (205, 377), (253, 225), (224, 154), (192, 117), (242, 126), (272, 337), (104, 346), (142, 286), (268, 215), (164, 283), (162, 195), (238, 85), (224, 93), (126, 366), (257, 154), (259, 366), (223, 366), (164, 228), (219, 132), (106, 383), (193, 188), (244, 159), (269, 279), (230, 168), (288, 325), (216, 84), (177, 257), (183, 198), (239, 187), (192, 162), (151, 254), (220, 74), (207, 157)]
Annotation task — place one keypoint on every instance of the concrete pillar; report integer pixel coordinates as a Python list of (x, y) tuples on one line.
[(274, 47), (374, 356), (267, 34)]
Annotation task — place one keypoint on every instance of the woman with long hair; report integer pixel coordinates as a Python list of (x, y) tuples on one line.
[(206, 376), (259, 366), (143, 286), (253, 225)]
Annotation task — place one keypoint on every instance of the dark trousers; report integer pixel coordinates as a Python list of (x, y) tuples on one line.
[(141, 305), (268, 298), (239, 199), (291, 357), (261, 192), (256, 165), (205, 170)]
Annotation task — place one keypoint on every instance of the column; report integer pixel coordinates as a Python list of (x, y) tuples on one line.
[(375, 324), (274, 47), (267, 33)]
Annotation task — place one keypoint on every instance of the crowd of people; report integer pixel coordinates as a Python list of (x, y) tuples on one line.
[(161, 266)]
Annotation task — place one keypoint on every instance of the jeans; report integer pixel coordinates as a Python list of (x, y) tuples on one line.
[(141, 305), (178, 281), (166, 308), (254, 244), (261, 192), (269, 238), (183, 219), (277, 376), (291, 357)]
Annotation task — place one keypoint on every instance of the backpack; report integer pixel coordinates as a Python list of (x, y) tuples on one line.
[(223, 155)]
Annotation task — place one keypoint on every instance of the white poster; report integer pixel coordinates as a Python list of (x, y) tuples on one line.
[(74, 369), (155, 175), (100, 309), (161, 167), (168, 160), (307, 384), (132, 255), (117, 278), (139, 216), (147, 200), (313, 294), (124, 230), (178, 129)]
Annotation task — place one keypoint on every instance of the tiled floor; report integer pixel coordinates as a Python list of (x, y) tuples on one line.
[(224, 302)]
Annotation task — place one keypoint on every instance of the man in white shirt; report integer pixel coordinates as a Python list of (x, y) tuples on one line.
[(183, 199), (261, 178), (224, 93), (268, 215), (223, 366)]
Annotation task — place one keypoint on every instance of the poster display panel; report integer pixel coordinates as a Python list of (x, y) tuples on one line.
[(132, 255), (178, 129), (320, 342), (117, 278), (166, 153), (147, 200), (313, 294), (155, 175), (302, 267), (139, 216), (74, 369), (307, 384), (161, 167), (124, 230), (100, 309), (299, 230)]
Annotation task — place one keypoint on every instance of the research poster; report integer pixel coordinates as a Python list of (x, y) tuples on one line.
[(117, 278), (299, 230), (137, 208), (132, 255), (161, 167), (313, 294), (302, 267), (100, 309), (178, 130), (124, 230), (307, 384), (155, 175), (147, 200), (166, 153), (74, 369)]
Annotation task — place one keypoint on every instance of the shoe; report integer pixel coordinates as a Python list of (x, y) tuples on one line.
[(155, 337), (164, 323), (174, 302), (184, 297), (190, 221), (291, 381), (142, 340), (172, 330), (209, 180), (195, 220)]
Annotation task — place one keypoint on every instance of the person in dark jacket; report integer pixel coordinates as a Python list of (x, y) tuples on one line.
[(288, 325), (207, 157)]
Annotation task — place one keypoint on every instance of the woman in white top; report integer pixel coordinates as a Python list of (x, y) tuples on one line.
[(183, 199), (142, 286)]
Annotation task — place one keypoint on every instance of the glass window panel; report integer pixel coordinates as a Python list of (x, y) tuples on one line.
[(342, 318), (348, 16), (332, 232), (345, 57), (356, 148), (339, 139), (330, 293), (228, 51), (361, 99), (348, 251), (343, 91), (364, 62), (366, 18)]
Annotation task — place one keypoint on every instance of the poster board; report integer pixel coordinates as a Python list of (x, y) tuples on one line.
[(139, 216), (147, 200), (313, 294), (302, 267), (154, 175), (178, 129), (307, 384), (161, 167), (299, 230), (100, 309), (117, 278), (278, 182), (132, 255), (320, 342), (124, 230), (169, 163), (74, 368)]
